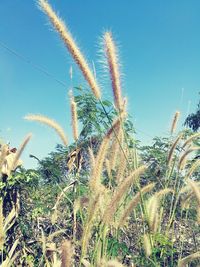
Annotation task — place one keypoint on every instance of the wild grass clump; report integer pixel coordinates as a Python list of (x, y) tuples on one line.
[(103, 200)]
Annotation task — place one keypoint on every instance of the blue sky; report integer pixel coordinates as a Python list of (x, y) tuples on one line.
[(159, 45)]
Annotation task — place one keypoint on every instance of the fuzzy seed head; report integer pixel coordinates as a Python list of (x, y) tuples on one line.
[(72, 47), (134, 202), (182, 161), (74, 118), (51, 123), (172, 149), (174, 122), (183, 262), (119, 193), (112, 59), (147, 245), (21, 148), (190, 139), (66, 254)]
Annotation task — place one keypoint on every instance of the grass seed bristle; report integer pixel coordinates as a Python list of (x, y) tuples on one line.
[(72, 47), (112, 59), (19, 152), (134, 202), (147, 245), (190, 139), (74, 118), (66, 254), (172, 149), (174, 122), (182, 160), (120, 191), (183, 262), (51, 123)]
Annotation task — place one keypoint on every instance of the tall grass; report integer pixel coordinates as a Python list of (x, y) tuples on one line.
[(120, 197)]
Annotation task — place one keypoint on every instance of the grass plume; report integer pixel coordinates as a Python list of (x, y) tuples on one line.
[(172, 149), (66, 254), (100, 158), (153, 205), (3, 154), (72, 47), (74, 116), (194, 166), (183, 262), (120, 191), (182, 160), (134, 202), (19, 151), (190, 139), (174, 122), (113, 63), (147, 245), (51, 123), (195, 189)]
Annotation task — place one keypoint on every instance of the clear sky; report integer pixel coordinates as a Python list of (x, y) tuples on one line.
[(159, 45)]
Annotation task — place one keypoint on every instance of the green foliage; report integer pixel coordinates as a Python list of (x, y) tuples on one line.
[(53, 168), (193, 120), (95, 116), (163, 253), (40, 189), (116, 248)]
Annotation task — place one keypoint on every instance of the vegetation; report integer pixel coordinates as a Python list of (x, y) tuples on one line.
[(193, 120), (103, 200)]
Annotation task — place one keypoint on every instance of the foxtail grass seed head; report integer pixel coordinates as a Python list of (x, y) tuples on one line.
[(174, 122), (85, 263), (190, 139), (134, 202), (74, 118), (194, 166), (66, 254), (152, 210), (3, 154), (19, 152), (93, 207), (182, 160), (54, 217), (113, 64), (172, 149), (95, 182), (195, 189), (153, 205), (147, 245), (119, 193), (92, 211), (115, 148), (183, 262), (51, 123), (72, 47), (113, 263), (163, 192), (95, 179)]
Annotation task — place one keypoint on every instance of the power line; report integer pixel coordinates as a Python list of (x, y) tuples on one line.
[(42, 70), (28, 61)]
